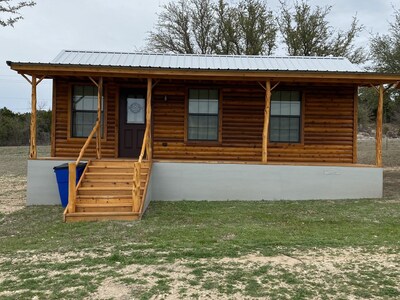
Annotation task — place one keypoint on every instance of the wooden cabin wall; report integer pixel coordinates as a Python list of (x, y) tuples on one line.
[(327, 125), (327, 118), (64, 145)]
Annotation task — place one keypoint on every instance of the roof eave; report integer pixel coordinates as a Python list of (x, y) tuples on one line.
[(51, 70)]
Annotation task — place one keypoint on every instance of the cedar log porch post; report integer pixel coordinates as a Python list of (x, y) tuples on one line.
[(98, 133), (32, 139), (99, 86), (266, 121), (379, 116), (148, 118), (32, 143)]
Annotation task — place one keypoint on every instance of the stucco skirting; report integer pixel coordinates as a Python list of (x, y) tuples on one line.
[(197, 181), (202, 181), (42, 184)]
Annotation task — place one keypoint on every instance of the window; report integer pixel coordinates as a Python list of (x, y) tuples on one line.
[(84, 110), (203, 115), (285, 117)]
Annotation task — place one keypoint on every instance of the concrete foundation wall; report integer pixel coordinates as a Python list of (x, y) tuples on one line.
[(201, 181), (42, 184)]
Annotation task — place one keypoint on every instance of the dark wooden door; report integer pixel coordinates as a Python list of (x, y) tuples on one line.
[(132, 122)]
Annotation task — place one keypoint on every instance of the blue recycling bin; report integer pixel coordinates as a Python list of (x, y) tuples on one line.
[(62, 174)]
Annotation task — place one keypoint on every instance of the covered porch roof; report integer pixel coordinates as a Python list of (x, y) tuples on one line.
[(196, 66)]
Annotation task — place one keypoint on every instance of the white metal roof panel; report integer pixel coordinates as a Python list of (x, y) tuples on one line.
[(206, 62)]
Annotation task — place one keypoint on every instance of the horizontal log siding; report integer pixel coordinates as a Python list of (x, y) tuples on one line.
[(70, 147), (328, 126)]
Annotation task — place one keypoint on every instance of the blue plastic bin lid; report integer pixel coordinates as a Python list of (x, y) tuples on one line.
[(65, 166)]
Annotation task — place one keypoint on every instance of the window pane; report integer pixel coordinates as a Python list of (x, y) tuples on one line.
[(275, 108), (135, 111), (203, 94), (193, 121), (274, 123), (213, 107), (275, 96), (212, 134), (193, 134), (213, 95), (284, 123), (213, 121), (193, 94), (203, 121), (202, 133), (285, 108), (285, 96), (193, 106), (274, 136), (203, 106), (295, 96), (295, 108), (294, 136), (294, 123), (284, 135)]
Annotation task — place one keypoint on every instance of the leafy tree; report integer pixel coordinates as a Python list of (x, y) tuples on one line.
[(10, 12), (385, 54), (306, 32), (14, 127), (385, 48), (203, 26)]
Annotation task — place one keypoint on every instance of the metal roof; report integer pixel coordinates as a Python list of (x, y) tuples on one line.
[(205, 62)]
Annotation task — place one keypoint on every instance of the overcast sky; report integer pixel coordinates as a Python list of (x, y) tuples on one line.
[(119, 25)]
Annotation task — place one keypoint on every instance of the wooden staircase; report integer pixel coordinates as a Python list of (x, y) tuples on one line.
[(105, 191)]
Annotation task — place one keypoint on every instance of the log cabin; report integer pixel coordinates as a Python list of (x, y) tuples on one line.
[(200, 127)]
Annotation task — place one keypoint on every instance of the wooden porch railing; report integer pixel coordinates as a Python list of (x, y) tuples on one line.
[(145, 153), (72, 186)]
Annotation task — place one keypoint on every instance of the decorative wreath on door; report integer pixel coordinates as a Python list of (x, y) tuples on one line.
[(135, 107)]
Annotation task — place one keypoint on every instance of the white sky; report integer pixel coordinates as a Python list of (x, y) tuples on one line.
[(120, 25)]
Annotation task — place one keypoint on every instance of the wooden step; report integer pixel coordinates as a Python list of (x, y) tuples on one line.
[(101, 216), (106, 183), (104, 207), (108, 176), (112, 169), (108, 191), (112, 163), (101, 199)]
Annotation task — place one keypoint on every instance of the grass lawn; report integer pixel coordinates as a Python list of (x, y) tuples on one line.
[(208, 250)]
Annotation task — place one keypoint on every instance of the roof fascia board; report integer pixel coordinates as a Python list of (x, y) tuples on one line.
[(74, 70)]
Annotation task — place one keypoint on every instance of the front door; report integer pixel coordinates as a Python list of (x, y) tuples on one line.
[(132, 122)]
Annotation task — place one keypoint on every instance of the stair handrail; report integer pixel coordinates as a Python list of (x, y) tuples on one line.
[(145, 153), (72, 166)]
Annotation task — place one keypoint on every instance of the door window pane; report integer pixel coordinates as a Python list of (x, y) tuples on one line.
[(135, 111)]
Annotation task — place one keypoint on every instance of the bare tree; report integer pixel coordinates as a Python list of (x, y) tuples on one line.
[(257, 28), (172, 32), (306, 32), (203, 26), (10, 11)]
